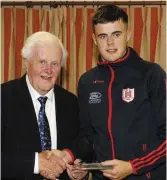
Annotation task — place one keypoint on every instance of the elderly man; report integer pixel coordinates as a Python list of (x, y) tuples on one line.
[(37, 114)]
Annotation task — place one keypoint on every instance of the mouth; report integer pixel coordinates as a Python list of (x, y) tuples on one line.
[(111, 51), (46, 77)]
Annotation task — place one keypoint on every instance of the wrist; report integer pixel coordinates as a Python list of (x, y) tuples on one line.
[(133, 168), (69, 156), (130, 168)]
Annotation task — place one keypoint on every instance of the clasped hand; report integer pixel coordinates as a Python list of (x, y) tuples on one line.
[(53, 163)]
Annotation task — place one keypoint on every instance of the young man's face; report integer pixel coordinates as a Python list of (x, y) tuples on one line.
[(44, 67), (111, 39)]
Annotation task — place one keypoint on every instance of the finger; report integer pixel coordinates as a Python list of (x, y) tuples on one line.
[(74, 176), (107, 171), (58, 153), (108, 175), (65, 160), (56, 172), (111, 172), (69, 166), (44, 173), (110, 162), (78, 170), (77, 161), (48, 154), (47, 175), (69, 174), (79, 174), (62, 164), (57, 160), (51, 176), (59, 169), (113, 176), (53, 170)]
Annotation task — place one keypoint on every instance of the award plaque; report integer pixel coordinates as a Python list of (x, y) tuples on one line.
[(92, 166)]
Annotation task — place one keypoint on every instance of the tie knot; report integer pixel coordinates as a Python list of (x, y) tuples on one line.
[(42, 100)]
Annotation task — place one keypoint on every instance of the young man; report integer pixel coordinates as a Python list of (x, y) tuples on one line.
[(37, 114), (122, 105)]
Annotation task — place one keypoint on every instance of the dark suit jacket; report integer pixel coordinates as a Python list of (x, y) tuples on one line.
[(20, 133)]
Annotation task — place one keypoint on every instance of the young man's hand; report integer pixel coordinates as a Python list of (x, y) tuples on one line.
[(120, 169), (76, 174)]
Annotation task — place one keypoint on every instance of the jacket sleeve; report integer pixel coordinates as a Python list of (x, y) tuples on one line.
[(157, 93), (84, 145), (15, 164)]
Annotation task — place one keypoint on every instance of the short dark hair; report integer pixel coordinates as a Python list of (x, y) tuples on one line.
[(108, 13)]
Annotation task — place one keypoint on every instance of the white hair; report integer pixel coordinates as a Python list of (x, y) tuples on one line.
[(41, 38)]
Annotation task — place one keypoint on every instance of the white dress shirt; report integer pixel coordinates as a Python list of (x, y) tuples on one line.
[(50, 113)]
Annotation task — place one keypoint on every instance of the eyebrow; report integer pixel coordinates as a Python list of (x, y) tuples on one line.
[(116, 32), (103, 34)]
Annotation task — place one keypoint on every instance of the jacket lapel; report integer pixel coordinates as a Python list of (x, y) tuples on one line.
[(28, 114), (59, 110)]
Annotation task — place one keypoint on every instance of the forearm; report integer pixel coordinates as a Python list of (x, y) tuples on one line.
[(151, 160)]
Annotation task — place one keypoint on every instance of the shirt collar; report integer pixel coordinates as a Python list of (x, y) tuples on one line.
[(35, 94)]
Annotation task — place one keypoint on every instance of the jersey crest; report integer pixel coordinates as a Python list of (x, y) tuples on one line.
[(128, 94)]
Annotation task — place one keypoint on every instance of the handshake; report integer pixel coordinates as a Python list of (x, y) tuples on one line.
[(53, 163)]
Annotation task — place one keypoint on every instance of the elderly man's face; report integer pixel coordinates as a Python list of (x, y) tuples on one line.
[(44, 67)]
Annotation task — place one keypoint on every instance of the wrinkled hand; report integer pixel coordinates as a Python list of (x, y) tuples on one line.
[(120, 170), (76, 174), (50, 167), (64, 155)]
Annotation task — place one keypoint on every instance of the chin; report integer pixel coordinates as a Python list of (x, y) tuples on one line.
[(111, 59), (46, 88)]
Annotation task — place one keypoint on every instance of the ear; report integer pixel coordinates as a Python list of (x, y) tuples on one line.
[(94, 39), (26, 63), (128, 34)]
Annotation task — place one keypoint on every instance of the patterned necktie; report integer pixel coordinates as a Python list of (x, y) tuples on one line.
[(44, 126)]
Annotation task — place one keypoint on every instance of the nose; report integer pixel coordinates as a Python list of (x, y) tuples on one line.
[(110, 41), (49, 68)]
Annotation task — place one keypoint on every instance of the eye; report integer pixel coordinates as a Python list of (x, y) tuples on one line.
[(102, 36), (55, 64), (42, 61), (116, 35)]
